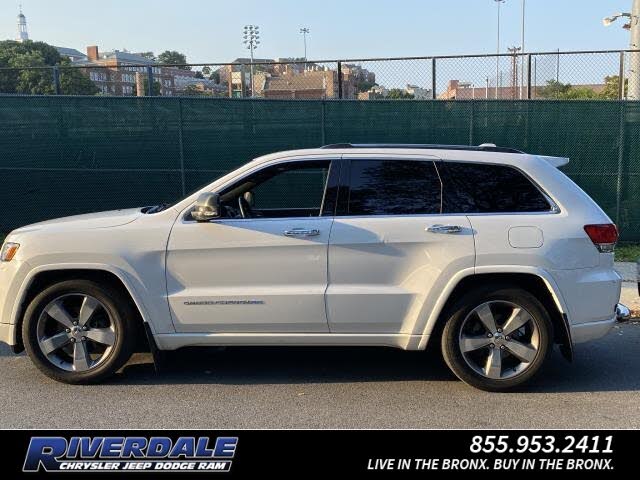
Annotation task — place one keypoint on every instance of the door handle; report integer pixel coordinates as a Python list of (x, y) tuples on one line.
[(444, 229), (302, 232)]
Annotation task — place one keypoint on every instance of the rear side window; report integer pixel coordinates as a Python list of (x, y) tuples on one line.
[(394, 187), (480, 188)]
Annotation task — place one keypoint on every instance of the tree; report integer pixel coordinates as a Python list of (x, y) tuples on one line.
[(581, 93), (553, 89), (194, 90), (191, 90), (23, 55), (156, 89), (149, 55), (74, 82), (611, 90), (399, 94), (172, 57), (211, 74), (565, 91), (365, 86)]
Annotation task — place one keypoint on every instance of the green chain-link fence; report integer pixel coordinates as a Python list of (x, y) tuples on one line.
[(67, 155)]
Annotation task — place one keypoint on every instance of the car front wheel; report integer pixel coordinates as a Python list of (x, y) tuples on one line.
[(78, 331), (496, 340)]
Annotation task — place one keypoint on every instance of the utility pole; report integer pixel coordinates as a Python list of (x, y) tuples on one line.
[(634, 57), (499, 2), (304, 32), (634, 63), (514, 71)]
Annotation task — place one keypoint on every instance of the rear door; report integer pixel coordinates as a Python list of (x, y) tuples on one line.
[(391, 251)]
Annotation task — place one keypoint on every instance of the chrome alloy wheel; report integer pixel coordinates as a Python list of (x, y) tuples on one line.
[(76, 332), (499, 339)]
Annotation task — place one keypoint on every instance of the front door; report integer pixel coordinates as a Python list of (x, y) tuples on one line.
[(262, 267)]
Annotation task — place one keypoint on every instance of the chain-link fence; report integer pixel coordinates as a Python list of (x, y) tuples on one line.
[(592, 75), (61, 155)]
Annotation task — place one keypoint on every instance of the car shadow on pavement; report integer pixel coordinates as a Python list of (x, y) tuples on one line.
[(287, 365), (613, 364)]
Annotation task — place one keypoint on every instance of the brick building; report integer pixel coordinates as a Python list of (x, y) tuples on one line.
[(120, 72), (457, 90), (308, 85), (292, 78)]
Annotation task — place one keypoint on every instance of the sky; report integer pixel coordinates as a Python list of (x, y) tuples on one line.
[(211, 30)]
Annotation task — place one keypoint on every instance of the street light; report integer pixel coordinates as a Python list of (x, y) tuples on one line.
[(634, 61), (251, 40), (606, 21), (304, 32), (498, 2)]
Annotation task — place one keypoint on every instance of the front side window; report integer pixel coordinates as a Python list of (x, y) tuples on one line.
[(394, 187), (294, 189), (482, 188)]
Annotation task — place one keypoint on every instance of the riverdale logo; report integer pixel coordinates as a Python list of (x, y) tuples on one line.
[(130, 454)]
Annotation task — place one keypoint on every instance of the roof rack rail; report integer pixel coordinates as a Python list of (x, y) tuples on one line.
[(485, 147)]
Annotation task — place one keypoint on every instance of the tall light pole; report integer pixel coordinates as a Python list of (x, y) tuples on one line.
[(498, 2), (251, 40), (634, 58), (304, 32), (522, 46)]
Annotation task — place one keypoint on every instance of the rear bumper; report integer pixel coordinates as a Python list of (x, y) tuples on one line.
[(585, 332), (590, 294)]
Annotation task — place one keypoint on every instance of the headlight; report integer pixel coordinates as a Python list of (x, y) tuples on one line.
[(9, 250)]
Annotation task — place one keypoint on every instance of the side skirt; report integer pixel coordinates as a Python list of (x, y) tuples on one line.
[(173, 341)]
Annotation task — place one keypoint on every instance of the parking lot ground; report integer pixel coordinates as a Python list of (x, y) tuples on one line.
[(328, 388)]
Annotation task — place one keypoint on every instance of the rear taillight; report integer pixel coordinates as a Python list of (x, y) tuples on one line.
[(603, 236)]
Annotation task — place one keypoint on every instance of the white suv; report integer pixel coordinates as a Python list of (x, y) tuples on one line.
[(491, 252)]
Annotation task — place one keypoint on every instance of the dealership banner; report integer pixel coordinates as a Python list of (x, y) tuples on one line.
[(379, 453)]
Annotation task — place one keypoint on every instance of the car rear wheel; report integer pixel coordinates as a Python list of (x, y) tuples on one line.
[(497, 339), (78, 331)]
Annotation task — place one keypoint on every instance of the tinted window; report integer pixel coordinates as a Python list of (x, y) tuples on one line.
[(284, 190), (394, 187), (477, 188), (295, 188)]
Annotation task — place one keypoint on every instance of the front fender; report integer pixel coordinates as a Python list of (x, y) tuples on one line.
[(154, 313)]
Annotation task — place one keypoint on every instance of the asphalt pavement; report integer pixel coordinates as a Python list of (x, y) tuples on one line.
[(328, 388)]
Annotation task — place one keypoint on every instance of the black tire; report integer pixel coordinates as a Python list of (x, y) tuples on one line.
[(451, 335), (120, 313)]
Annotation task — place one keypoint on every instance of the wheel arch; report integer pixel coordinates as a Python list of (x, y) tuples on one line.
[(540, 284), (41, 278)]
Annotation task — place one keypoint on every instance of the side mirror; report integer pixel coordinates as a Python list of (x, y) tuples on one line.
[(207, 207)]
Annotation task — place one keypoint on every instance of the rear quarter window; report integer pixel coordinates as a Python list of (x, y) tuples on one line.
[(482, 188)]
